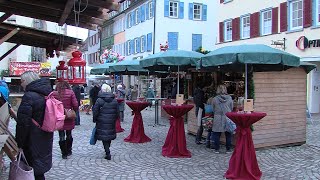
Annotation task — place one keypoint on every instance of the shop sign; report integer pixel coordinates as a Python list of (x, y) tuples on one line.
[(303, 42), (18, 68)]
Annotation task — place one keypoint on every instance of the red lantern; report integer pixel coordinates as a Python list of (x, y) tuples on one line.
[(62, 71), (76, 69)]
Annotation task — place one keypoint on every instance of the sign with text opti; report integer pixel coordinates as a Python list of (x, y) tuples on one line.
[(18, 68), (303, 43)]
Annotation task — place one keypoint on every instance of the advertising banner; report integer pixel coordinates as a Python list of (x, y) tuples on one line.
[(18, 68)]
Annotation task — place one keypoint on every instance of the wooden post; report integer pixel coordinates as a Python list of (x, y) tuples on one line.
[(9, 35)]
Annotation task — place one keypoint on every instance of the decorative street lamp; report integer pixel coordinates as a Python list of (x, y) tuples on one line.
[(76, 69), (62, 71)]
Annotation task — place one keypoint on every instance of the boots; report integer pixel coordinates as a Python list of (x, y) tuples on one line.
[(69, 146), (63, 147)]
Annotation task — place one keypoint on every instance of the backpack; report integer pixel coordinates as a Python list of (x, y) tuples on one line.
[(53, 116)]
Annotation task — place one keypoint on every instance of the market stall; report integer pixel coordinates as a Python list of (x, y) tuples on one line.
[(278, 87)]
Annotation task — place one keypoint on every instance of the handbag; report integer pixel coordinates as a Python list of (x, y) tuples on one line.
[(208, 109), (20, 169), (93, 139), (70, 114)]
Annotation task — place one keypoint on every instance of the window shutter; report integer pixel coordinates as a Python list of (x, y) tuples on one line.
[(149, 42), (142, 13), (307, 13), (139, 45), (221, 32), (191, 11), (236, 28), (181, 10), (254, 24), (138, 16), (204, 12), (133, 18), (173, 40), (145, 43), (196, 41), (275, 20), (152, 13), (166, 8), (132, 46), (127, 51), (283, 17), (147, 11)]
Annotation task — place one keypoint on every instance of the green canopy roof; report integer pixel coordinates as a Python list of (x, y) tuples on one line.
[(249, 54), (172, 58), (101, 69), (128, 67), (307, 66)]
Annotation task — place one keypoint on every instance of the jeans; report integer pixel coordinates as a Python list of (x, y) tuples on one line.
[(200, 129), (64, 133), (208, 136), (215, 137), (78, 118), (121, 114), (106, 145), (39, 177)]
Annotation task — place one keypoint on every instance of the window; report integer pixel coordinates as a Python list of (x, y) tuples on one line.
[(142, 43), (245, 25), (173, 9), (197, 11), (150, 10), (266, 22), (130, 17), (318, 12), (128, 47), (228, 30), (136, 46), (295, 14), (137, 16)]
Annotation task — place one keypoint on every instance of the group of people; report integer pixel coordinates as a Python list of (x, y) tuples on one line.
[(37, 144), (221, 104)]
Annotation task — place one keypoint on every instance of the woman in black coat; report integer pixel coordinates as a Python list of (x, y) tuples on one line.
[(105, 114), (36, 144)]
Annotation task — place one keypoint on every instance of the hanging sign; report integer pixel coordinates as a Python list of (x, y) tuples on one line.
[(18, 68)]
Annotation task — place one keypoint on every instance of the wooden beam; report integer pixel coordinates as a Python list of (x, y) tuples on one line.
[(66, 12), (56, 5), (9, 35), (5, 17), (10, 51), (101, 3)]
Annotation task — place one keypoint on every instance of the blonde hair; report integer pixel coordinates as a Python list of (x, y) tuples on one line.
[(105, 88), (29, 76), (221, 90)]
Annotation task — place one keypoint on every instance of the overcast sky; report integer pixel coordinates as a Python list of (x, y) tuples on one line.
[(77, 32)]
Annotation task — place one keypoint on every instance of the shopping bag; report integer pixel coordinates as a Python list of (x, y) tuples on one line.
[(230, 126), (199, 116), (20, 169), (93, 139), (208, 109)]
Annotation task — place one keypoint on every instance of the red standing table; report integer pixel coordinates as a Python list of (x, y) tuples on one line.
[(137, 130), (175, 145), (243, 163), (118, 123)]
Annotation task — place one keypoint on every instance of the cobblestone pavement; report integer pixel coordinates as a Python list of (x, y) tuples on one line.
[(144, 161)]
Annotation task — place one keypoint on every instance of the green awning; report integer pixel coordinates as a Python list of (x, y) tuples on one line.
[(128, 67), (307, 66), (101, 69)]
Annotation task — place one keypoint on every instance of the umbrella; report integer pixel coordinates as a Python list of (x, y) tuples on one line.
[(128, 67), (171, 60), (101, 69), (262, 56)]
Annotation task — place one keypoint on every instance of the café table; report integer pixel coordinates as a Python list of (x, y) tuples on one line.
[(175, 145), (243, 163), (156, 111), (118, 123), (137, 134)]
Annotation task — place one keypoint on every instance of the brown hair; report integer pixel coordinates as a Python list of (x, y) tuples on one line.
[(61, 86)]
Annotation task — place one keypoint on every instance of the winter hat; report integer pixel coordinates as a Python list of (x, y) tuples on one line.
[(119, 86), (105, 88)]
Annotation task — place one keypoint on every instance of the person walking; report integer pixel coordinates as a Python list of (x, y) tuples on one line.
[(105, 113), (68, 98), (221, 104), (35, 143), (121, 93), (77, 91), (93, 95), (199, 101), (134, 93)]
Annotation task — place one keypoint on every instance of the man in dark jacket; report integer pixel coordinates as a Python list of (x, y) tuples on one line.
[(105, 114), (93, 94), (36, 144), (199, 101), (77, 91)]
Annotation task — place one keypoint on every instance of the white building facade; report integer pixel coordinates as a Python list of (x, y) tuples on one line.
[(290, 25)]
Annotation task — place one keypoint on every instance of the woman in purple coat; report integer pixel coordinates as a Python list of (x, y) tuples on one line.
[(68, 98)]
